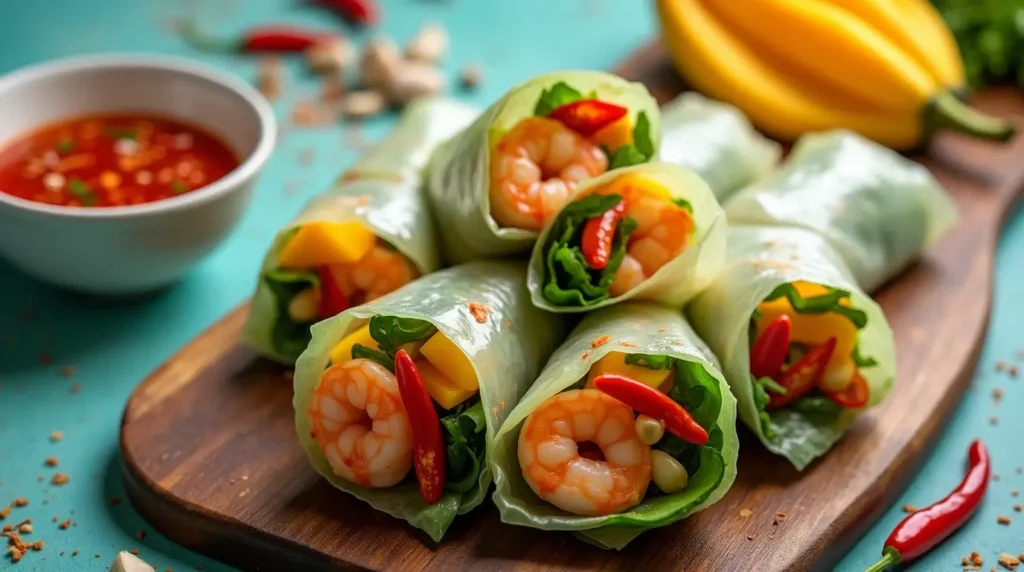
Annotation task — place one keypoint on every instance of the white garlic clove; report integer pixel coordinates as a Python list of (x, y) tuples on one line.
[(127, 562), (363, 104), (430, 44), (379, 64), (331, 55), (414, 80)]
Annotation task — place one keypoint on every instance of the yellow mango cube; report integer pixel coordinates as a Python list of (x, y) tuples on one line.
[(324, 243), (450, 361), (342, 352), (615, 135), (615, 362), (444, 392)]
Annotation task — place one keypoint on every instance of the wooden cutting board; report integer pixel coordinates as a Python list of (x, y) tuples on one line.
[(211, 459)]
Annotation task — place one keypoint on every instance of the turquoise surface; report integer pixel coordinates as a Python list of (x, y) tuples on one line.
[(113, 344)]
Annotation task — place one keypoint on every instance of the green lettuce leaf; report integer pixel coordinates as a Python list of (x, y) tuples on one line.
[(391, 332), (554, 97), (817, 405), (287, 337), (359, 351), (823, 304), (465, 435), (861, 361), (571, 280), (641, 150)]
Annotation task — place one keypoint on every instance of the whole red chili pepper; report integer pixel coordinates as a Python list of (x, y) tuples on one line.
[(333, 300), (770, 349), (652, 403), (588, 116), (923, 530), (261, 39), (854, 396), (804, 375), (428, 445), (360, 12), (598, 234)]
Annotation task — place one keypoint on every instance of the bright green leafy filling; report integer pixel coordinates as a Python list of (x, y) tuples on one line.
[(289, 338), (569, 279)]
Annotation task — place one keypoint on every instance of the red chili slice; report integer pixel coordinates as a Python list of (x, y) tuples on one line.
[(854, 396), (804, 375), (427, 442), (588, 116), (769, 351), (333, 300), (598, 235), (653, 403)]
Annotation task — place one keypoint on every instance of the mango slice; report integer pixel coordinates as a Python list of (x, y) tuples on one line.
[(615, 362), (342, 352), (324, 243), (615, 135), (450, 361), (445, 393)]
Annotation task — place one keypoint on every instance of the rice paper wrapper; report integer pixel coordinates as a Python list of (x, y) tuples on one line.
[(507, 351), (716, 141), (425, 123), (384, 195), (458, 175), (680, 279), (634, 327), (759, 260), (878, 209)]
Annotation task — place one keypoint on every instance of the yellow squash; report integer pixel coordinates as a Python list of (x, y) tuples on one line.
[(887, 69), (324, 243)]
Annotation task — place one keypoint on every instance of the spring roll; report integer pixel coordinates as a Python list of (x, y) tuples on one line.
[(878, 209), (716, 141), (805, 350), (572, 457), (647, 232), (477, 344), (494, 185), (369, 235)]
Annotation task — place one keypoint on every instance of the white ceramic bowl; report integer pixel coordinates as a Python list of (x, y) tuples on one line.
[(125, 250)]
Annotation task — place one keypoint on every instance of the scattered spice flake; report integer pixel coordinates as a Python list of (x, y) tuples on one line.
[(135, 551), (661, 330), (97, 555), (39, 478), (1008, 561), (909, 509), (55, 518), (309, 114), (1014, 493), (1014, 372), (51, 461), (997, 394), (270, 78), (140, 534), (56, 436), (243, 493), (114, 501), (65, 525), (7, 528), (600, 341), (627, 344), (750, 537), (976, 559), (508, 323), (1004, 520), (307, 156), (21, 501), (5, 512), (746, 512), (584, 355), (995, 476), (993, 420), (76, 388), (1017, 507), (60, 479), (778, 519), (45, 358), (1001, 366), (68, 371), (74, 553), (479, 311), (25, 528)]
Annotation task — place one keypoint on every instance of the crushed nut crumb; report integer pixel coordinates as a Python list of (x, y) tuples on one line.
[(51, 461), (25, 528), (750, 537), (600, 341), (479, 311), (5, 512), (1017, 507), (470, 77), (1008, 561), (21, 501), (68, 371), (1014, 372), (65, 525), (909, 508), (1014, 493), (584, 355), (993, 420), (56, 436), (976, 559), (997, 394), (746, 512), (1003, 520), (60, 479)]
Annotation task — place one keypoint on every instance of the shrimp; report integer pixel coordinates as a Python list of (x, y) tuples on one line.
[(552, 465), (380, 271), (360, 423), (663, 231), (535, 168)]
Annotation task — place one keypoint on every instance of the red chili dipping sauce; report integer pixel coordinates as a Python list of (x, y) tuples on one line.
[(112, 160)]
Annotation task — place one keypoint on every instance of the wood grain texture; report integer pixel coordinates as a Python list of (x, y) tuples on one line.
[(211, 460)]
